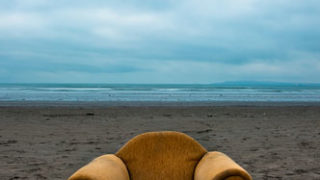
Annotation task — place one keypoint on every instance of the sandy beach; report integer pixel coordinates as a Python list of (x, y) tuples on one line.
[(51, 142)]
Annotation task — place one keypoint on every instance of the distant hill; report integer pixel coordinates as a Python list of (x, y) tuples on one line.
[(265, 83)]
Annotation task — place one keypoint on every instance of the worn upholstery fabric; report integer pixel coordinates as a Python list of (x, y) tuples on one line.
[(218, 166), (106, 167), (161, 156)]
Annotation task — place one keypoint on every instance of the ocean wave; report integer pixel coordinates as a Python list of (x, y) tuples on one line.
[(123, 92)]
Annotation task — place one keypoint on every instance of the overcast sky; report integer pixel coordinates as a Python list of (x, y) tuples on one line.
[(159, 41)]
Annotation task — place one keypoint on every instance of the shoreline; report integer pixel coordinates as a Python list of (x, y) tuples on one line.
[(96, 104)]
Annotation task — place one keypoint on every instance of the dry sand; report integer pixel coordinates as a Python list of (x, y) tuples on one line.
[(52, 142)]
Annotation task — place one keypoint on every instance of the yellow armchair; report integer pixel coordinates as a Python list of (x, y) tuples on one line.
[(162, 156), (105, 167)]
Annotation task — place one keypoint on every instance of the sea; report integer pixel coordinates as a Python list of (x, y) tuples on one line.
[(217, 92)]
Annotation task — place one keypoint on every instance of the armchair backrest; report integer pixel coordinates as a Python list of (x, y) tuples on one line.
[(161, 156)]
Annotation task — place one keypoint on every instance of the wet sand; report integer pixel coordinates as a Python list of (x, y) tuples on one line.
[(51, 142)]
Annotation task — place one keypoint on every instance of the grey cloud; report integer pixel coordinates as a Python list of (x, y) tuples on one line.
[(131, 36)]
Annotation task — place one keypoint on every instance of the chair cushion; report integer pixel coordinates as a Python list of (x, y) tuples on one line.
[(161, 156)]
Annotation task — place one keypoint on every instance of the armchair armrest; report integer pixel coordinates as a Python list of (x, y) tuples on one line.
[(106, 167), (218, 166)]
